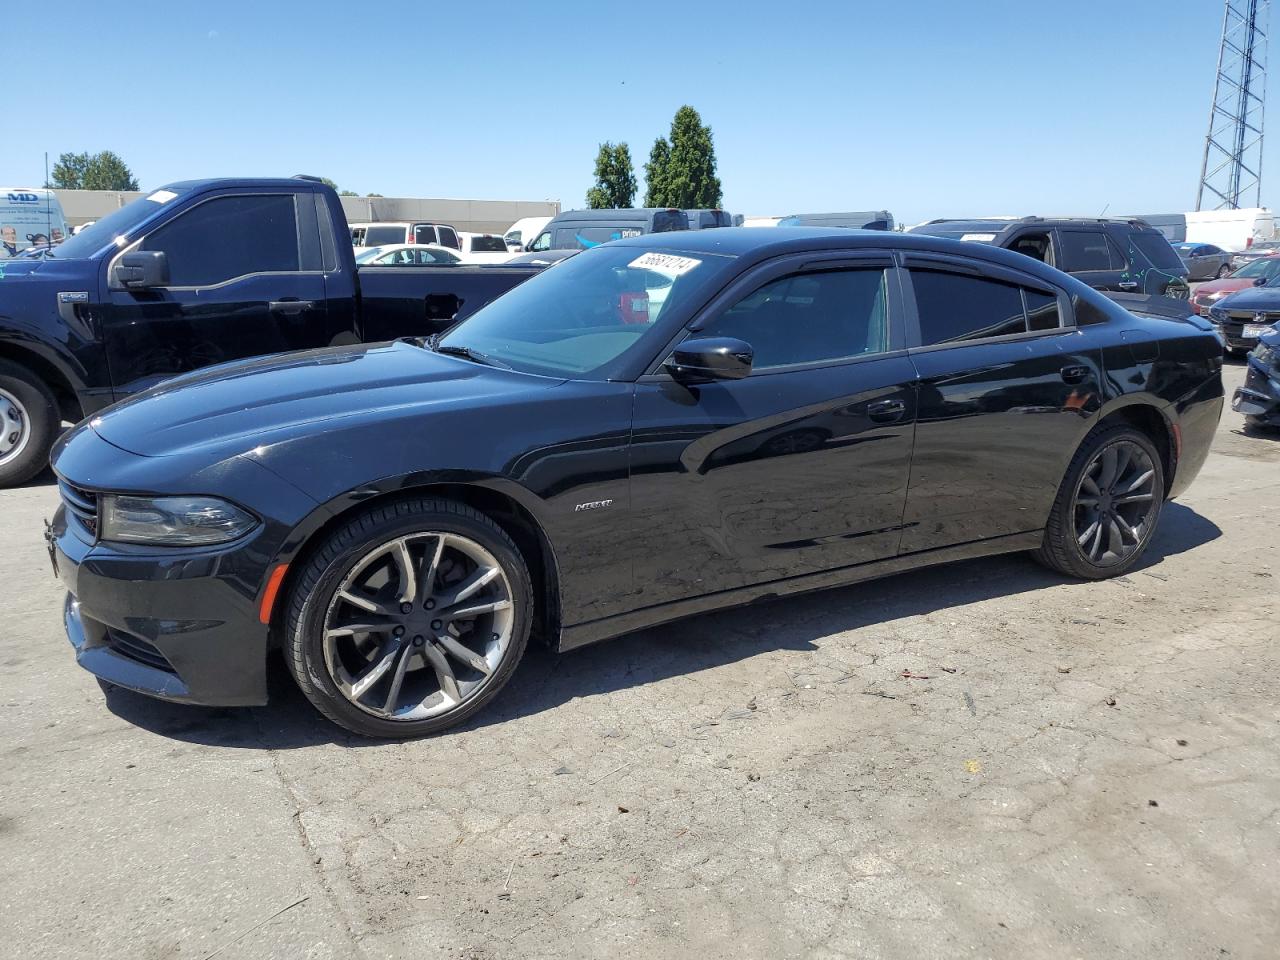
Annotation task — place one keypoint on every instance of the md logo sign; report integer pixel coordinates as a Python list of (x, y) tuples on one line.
[(24, 198)]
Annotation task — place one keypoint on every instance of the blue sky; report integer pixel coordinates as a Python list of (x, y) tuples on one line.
[(927, 108)]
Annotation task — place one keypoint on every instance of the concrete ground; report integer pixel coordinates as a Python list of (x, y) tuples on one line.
[(978, 760)]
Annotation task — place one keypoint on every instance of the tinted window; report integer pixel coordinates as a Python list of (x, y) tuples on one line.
[(1084, 250), (1042, 310), (809, 317), (117, 224), (955, 307), (448, 237), (488, 245), (582, 238), (228, 237), (381, 236), (1156, 249), (1118, 260), (665, 220), (424, 233)]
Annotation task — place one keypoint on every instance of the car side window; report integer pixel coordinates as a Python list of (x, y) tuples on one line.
[(809, 318), (229, 237), (543, 242), (424, 233), (449, 238), (956, 307), (1118, 259), (1084, 250)]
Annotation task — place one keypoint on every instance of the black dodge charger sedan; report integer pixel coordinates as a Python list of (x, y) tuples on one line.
[(660, 426)]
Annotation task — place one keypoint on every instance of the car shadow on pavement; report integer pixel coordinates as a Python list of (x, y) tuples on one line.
[(546, 680)]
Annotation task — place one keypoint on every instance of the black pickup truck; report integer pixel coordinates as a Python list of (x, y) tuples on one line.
[(198, 273)]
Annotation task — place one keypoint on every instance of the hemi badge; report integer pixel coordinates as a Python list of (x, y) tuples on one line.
[(74, 296)]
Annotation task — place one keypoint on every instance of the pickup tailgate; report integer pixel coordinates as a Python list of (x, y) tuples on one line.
[(405, 301)]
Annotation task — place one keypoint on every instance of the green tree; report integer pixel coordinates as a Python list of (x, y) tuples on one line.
[(97, 171), (615, 185), (690, 176), (347, 193), (655, 174)]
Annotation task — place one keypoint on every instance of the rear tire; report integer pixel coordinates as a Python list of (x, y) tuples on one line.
[(1107, 507), (1224, 271), (425, 660), (29, 424)]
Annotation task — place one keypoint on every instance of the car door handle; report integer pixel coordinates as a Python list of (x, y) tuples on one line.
[(886, 411), (1075, 374), (1128, 284), (291, 308)]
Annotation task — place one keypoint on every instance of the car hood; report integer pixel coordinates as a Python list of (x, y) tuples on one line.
[(1254, 298), (237, 407), (1227, 285), (16, 269)]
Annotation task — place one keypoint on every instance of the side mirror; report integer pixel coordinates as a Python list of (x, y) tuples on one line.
[(710, 358), (142, 270), (1260, 281)]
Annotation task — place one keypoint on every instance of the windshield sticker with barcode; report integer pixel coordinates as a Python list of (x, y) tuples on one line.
[(162, 196), (979, 237), (664, 263)]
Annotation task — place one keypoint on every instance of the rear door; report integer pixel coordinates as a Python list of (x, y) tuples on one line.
[(1008, 387), (1092, 257), (798, 468), (245, 278)]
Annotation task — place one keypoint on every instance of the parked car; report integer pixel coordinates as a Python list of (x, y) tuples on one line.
[(1126, 256), (407, 255), (1244, 316), (523, 231), (1203, 261), (483, 248), (1265, 248), (1259, 398), (581, 229), (659, 426), (199, 273), (386, 234), (864, 220), (1254, 273), (29, 217)]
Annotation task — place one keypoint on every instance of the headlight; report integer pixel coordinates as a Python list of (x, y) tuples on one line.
[(1218, 314), (173, 521)]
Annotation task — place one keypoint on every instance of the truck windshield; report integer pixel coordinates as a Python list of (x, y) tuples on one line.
[(116, 228), (580, 318)]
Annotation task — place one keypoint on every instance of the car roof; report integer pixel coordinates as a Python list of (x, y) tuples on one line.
[(623, 213), (1001, 224)]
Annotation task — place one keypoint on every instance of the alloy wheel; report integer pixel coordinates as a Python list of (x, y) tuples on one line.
[(15, 426), (1114, 503), (418, 626)]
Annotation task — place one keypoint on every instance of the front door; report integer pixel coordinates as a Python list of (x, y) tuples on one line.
[(1007, 390), (237, 288), (800, 467)]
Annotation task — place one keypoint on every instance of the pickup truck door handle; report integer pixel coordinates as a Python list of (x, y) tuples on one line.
[(1128, 284), (1075, 374), (886, 411), (291, 308)]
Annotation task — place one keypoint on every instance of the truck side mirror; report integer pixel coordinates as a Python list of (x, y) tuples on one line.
[(142, 270)]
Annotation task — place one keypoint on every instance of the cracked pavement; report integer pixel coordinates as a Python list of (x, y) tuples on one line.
[(1063, 770)]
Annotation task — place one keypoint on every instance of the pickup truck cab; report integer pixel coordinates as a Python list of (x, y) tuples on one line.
[(198, 273)]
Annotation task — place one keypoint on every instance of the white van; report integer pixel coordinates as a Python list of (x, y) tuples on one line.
[(29, 217), (413, 232), (1234, 230), (520, 233)]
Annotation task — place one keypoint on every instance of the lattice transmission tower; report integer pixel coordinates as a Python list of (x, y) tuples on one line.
[(1231, 171)]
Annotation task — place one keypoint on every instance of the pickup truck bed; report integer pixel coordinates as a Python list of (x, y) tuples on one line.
[(197, 273)]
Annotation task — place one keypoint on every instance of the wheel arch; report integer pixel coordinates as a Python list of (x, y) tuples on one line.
[(491, 496), (1150, 419), (53, 372)]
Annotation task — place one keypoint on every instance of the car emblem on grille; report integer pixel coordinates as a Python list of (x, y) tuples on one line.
[(1260, 317)]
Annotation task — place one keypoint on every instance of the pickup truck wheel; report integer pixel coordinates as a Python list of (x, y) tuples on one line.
[(409, 618), (28, 424), (1107, 507)]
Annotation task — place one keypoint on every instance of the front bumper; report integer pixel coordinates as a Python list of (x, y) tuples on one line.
[(1259, 398), (177, 625)]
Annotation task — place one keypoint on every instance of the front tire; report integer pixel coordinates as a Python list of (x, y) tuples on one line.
[(1107, 507), (29, 424), (1224, 271), (409, 618)]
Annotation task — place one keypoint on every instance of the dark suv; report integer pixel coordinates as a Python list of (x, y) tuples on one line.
[(1123, 256)]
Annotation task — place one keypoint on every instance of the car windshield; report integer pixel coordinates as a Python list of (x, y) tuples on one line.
[(579, 318), (367, 255), (1267, 267), (117, 227)]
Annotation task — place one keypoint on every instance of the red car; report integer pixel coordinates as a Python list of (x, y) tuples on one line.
[(1252, 274)]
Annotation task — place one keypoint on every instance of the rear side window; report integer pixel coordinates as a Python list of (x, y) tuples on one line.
[(1155, 248), (1085, 250), (667, 220), (809, 317), (449, 237), (488, 245), (955, 307), (229, 237), (424, 233), (383, 236)]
